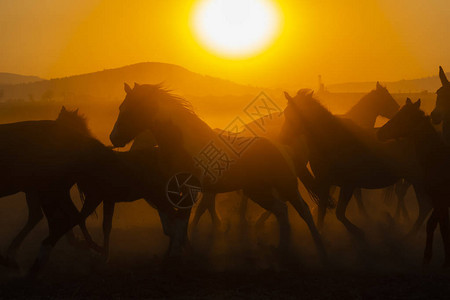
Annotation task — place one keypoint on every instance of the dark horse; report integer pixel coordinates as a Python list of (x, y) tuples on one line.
[(412, 124), (45, 159), (378, 102), (441, 112), (263, 170), (345, 155), (136, 176)]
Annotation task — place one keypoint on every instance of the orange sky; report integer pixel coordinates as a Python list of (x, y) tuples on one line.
[(347, 40)]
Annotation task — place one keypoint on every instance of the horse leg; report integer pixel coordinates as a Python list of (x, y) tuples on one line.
[(266, 200), (323, 194), (175, 226), (424, 208), (344, 199), (89, 206), (108, 213), (208, 202), (262, 219), (213, 212), (61, 215), (404, 187), (34, 217), (431, 227), (445, 232), (243, 223), (401, 188), (358, 197), (179, 239), (303, 210)]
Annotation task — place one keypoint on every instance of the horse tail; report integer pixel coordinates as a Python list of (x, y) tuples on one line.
[(83, 199), (389, 194)]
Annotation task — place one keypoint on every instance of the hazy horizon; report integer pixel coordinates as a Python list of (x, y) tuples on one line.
[(347, 41)]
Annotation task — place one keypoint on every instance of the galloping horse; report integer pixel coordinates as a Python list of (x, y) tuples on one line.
[(136, 176), (345, 155), (378, 102), (133, 175), (434, 156), (262, 170), (44, 159)]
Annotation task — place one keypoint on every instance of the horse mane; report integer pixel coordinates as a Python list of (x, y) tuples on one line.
[(324, 129), (311, 108), (74, 120), (180, 105)]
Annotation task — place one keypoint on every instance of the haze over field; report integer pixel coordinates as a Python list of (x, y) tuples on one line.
[(78, 126), (344, 41)]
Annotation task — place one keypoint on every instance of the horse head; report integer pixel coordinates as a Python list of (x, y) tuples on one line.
[(74, 120), (135, 113), (292, 125), (403, 123), (386, 104), (442, 108)]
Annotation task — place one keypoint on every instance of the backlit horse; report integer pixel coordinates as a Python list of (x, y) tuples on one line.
[(412, 124), (262, 169)]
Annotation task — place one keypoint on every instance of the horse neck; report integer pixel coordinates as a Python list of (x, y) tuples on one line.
[(325, 135), (181, 136), (364, 113), (446, 130), (427, 142)]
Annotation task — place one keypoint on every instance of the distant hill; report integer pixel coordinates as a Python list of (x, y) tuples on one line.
[(430, 84), (109, 83), (10, 78)]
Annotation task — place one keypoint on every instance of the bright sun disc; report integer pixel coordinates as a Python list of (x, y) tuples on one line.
[(236, 28)]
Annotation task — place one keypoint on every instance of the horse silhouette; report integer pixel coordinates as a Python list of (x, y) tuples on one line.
[(412, 124), (378, 102), (441, 112), (263, 171), (345, 155), (44, 159), (135, 176)]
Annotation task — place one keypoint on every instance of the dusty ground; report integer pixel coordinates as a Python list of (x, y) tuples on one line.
[(230, 265)]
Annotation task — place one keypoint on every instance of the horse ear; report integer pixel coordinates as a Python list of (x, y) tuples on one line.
[(63, 109), (136, 85), (76, 111), (288, 97), (408, 101), (417, 104), (127, 88), (442, 76), (310, 93), (379, 86)]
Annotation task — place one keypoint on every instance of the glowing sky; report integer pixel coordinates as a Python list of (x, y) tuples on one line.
[(342, 40)]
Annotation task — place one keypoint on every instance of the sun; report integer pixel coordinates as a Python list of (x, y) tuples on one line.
[(236, 28)]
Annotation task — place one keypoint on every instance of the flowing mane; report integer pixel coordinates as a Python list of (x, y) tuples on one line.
[(312, 111), (73, 119), (180, 108), (323, 129)]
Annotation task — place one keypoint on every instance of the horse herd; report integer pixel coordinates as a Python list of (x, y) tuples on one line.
[(44, 159)]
